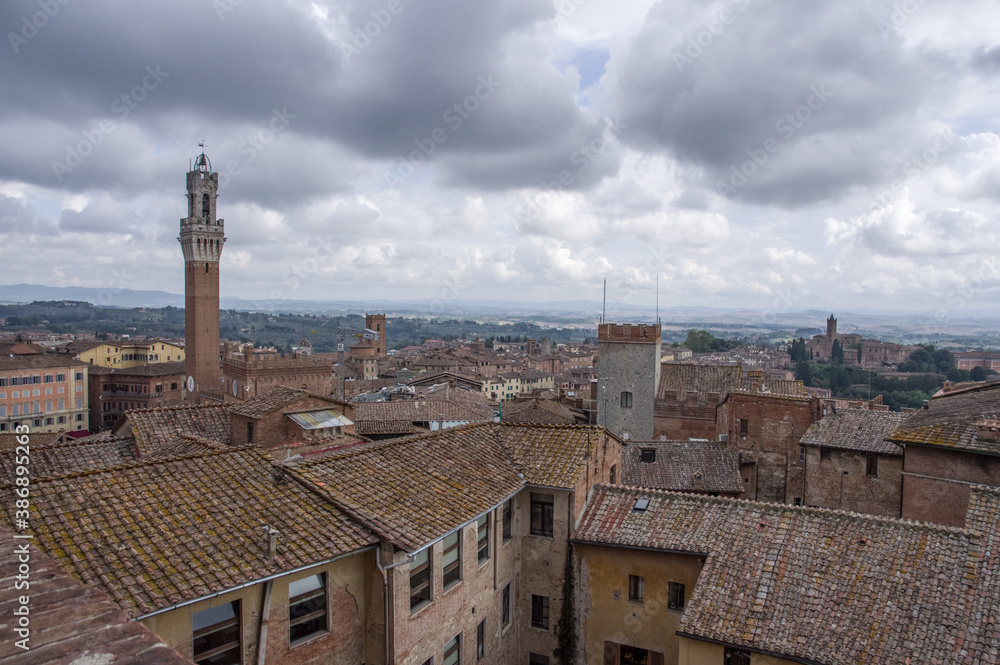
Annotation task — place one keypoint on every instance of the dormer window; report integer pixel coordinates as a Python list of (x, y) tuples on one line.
[(647, 455)]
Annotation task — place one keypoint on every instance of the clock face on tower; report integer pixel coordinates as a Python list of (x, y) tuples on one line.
[(190, 384), (235, 387)]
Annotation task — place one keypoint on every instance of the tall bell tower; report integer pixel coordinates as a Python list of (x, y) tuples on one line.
[(201, 238)]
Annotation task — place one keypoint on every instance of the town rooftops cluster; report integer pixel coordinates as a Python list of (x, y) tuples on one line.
[(960, 419), (856, 429)]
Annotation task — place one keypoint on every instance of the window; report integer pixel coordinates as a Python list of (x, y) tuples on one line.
[(647, 455), (636, 588), (173, 386), (537, 659), (797, 501), (78, 376), (675, 596), (506, 520), (737, 657), (453, 651), (802, 453), (541, 514), (79, 417), (611, 474), (59, 420), (539, 611), (825, 454), (871, 465), (250, 432), (626, 399), (481, 640), (48, 421), (306, 608), (744, 426), (216, 635), (3, 382), (48, 378), (505, 610), (60, 377), (38, 378), (633, 656), (483, 531), (451, 560), (420, 579)]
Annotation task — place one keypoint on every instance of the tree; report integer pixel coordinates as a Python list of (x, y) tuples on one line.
[(803, 371), (699, 341), (837, 353), (977, 374)]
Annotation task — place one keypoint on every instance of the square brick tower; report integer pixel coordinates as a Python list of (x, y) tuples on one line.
[(376, 322), (201, 238), (628, 373)]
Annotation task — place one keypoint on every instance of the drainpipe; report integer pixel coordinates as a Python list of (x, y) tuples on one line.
[(385, 596), (265, 612)]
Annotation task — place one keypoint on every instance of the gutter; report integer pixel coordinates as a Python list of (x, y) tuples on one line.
[(385, 596), (252, 583)]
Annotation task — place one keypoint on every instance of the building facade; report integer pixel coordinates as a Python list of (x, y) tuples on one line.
[(628, 373)]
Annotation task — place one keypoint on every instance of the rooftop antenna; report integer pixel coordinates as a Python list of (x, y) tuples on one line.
[(657, 298), (604, 307)]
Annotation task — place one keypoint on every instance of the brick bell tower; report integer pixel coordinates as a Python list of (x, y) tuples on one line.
[(201, 238)]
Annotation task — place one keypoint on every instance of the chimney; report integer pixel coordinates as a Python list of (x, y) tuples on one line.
[(440, 421), (272, 541), (927, 405)]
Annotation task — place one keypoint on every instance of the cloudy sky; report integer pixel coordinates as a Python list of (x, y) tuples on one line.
[(769, 154)]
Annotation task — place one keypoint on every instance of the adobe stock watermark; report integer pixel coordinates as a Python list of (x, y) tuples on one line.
[(900, 16), (122, 107), (256, 143), (30, 25), (563, 9), (787, 125), (362, 36), (454, 116), (580, 159), (713, 27), (321, 251)]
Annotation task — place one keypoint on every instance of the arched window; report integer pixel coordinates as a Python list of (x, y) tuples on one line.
[(205, 205)]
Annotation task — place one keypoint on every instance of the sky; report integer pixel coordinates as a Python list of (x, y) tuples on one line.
[(775, 155)]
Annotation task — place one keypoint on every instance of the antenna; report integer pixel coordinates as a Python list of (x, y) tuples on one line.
[(604, 308), (657, 298)]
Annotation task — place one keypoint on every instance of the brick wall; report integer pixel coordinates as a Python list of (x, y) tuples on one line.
[(936, 482), (842, 482), (774, 426)]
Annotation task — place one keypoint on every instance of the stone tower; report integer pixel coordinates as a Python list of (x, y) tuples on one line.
[(376, 322), (628, 374), (831, 327), (201, 238)]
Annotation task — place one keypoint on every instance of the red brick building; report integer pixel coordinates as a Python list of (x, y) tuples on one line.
[(950, 446), (765, 431), (114, 391)]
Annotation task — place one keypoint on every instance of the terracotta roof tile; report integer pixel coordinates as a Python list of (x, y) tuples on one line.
[(821, 585), (273, 400), (154, 427), (413, 490), (48, 457), (538, 411), (158, 533), (71, 621), (683, 466), (856, 429), (956, 420)]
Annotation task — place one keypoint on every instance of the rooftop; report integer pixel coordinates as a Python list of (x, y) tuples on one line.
[(159, 533), (415, 489), (856, 429), (961, 419), (49, 457), (683, 466), (152, 428), (818, 585), (274, 400), (71, 621)]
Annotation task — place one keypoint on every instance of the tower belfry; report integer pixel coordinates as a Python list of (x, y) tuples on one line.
[(202, 237)]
